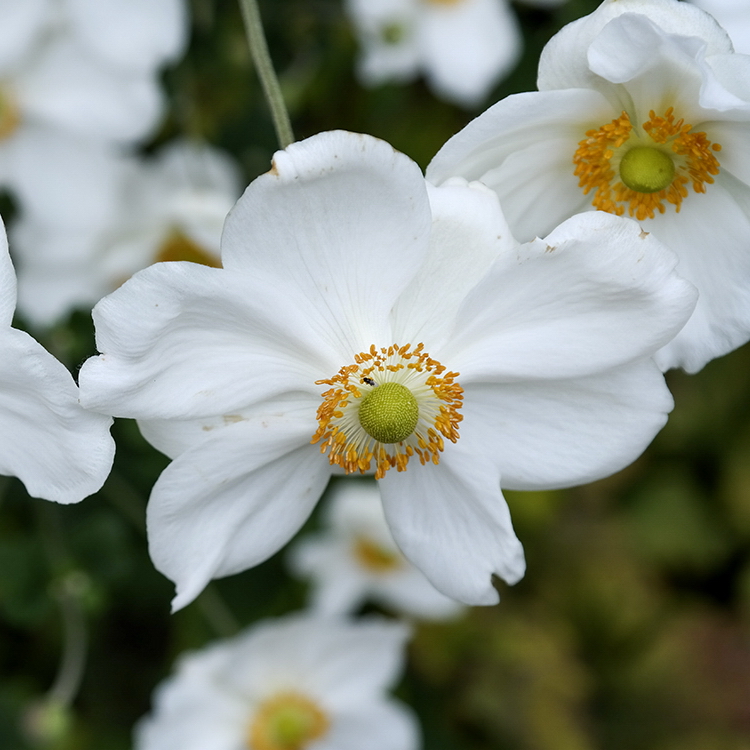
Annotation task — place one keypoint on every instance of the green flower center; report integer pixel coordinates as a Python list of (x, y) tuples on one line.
[(287, 721), (393, 33), (646, 169), (389, 413)]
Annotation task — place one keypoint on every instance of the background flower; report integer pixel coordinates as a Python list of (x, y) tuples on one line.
[(293, 683), (355, 559)]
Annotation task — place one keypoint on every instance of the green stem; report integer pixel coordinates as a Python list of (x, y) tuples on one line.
[(68, 588), (262, 59)]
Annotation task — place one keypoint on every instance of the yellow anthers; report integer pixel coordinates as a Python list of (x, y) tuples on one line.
[(415, 412), (178, 246), (374, 558), (286, 721), (642, 171), (10, 115)]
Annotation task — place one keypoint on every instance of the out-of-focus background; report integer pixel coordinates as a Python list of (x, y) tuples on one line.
[(631, 629)]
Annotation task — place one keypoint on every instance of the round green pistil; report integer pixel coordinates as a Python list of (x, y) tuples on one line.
[(389, 413), (646, 169)]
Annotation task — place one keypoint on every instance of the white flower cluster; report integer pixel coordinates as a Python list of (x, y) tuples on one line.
[(504, 323)]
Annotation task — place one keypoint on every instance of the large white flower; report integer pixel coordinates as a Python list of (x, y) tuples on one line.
[(93, 218), (464, 47), (643, 111), (287, 684), (357, 324), (57, 449), (355, 559)]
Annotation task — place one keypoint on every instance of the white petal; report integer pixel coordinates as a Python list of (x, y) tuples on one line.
[(596, 293), (57, 449), (341, 664), (385, 725), (69, 89), (351, 666), (7, 281), (409, 592), (710, 234), (566, 432), (452, 521), (67, 182), (181, 341), (734, 18), (174, 436), (23, 23), (522, 148), (344, 220), (132, 34), (563, 63), (469, 232), (468, 47), (233, 500)]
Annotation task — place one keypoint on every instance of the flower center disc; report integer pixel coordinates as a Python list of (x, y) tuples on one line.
[(646, 169), (654, 164), (286, 721), (391, 404), (10, 117), (389, 413), (374, 557)]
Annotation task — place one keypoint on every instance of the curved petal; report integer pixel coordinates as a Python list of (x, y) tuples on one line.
[(711, 235), (468, 47), (341, 219), (596, 293), (174, 436), (566, 432), (410, 593), (733, 17), (7, 281), (132, 34), (469, 232), (233, 500), (564, 64), (57, 449), (522, 148), (181, 341), (452, 521)]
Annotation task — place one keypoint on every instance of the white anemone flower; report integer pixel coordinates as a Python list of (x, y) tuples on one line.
[(464, 47), (57, 449), (97, 218), (130, 34), (643, 111), (734, 16), (358, 321), (288, 684), (355, 559)]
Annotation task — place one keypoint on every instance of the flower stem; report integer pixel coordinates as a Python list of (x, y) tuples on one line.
[(262, 59)]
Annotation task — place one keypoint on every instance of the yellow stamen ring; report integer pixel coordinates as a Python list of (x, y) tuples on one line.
[(653, 168), (391, 404), (286, 721)]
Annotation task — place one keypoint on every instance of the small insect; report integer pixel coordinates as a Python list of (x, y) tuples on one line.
[(369, 381)]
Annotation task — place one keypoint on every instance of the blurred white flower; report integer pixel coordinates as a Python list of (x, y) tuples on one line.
[(96, 218), (643, 110), (463, 47), (734, 16), (359, 320), (355, 559), (57, 449), (287, 684)]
